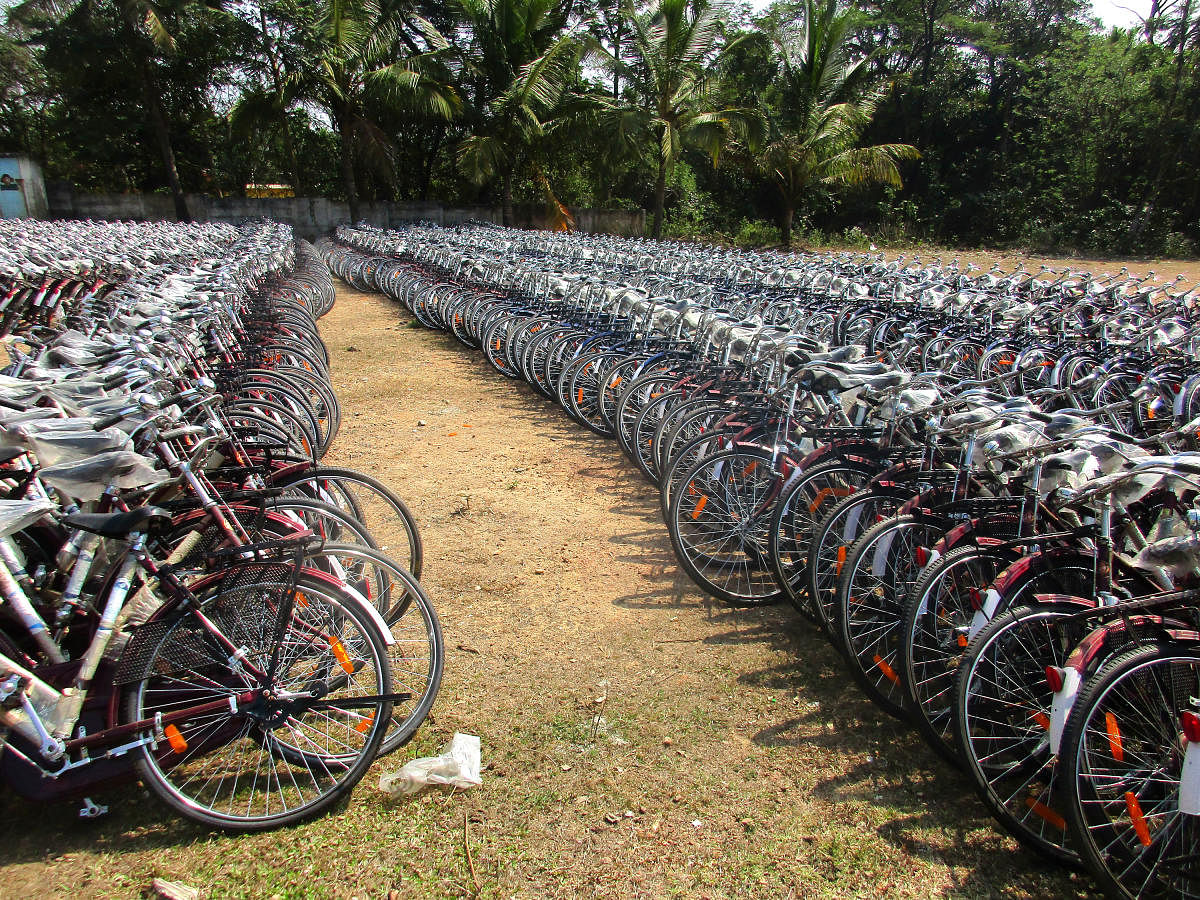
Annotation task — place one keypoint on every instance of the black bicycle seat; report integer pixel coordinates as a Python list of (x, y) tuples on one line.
[(119, 524)]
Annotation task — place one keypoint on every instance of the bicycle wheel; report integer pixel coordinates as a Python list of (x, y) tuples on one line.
[(1002, 722), (934, 633), (689, 454), (807, 498), (881, 568), (718, 524), (328, 522), (831, 540), (385, 516), (418, 653), (269, 745), (1123, 755)]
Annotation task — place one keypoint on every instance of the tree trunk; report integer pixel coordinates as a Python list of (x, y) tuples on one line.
[(439, 133), (162, 135), (349, 183), (660, 195), (289, 146), (616, 91), (507, 208), (789, 213)]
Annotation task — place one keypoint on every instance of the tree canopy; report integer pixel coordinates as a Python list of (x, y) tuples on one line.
[(1022, 122)]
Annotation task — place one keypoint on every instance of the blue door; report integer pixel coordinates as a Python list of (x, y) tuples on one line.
[(12, 193)]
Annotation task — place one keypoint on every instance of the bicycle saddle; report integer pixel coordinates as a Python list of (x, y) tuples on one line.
[(119, 524), (876, 377)]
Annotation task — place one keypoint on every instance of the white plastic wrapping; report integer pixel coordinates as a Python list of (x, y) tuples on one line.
[(457, 766)]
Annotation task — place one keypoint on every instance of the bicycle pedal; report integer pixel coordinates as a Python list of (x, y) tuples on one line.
[(90, 809)]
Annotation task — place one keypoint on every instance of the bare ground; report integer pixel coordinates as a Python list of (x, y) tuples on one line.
[(1161, 269), (639, 739)]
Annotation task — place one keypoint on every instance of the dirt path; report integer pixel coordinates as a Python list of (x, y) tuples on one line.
[(639, 739)]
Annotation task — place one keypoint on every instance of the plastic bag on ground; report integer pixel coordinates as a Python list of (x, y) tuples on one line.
[(458, 766)]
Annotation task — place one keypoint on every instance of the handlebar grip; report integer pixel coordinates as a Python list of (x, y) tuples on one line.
[(109, 421), (173, 399), (115, 380)]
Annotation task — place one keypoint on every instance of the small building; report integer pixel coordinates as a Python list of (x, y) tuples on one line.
[(260, 191), (22, 190)]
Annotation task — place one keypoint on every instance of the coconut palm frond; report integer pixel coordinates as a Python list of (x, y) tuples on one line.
[(482, 157), (710, 133), (542, 81), (405, 87), (702, 37), (255, 111), (434, 39), (159, 35), (375, 148), (29, 12), (866, 165)]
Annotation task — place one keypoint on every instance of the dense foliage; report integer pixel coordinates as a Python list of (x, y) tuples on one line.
[(959, 121)]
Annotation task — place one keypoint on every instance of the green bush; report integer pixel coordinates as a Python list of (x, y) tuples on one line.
[(1177, 245), (753, 233), (856, 237)]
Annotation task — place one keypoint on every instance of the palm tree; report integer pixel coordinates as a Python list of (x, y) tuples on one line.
[(361, 58), (813, 137), (669, 53), (522, 64), (147, 36), (264, 107), (534, 104)]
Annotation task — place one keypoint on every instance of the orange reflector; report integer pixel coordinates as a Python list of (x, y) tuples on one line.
[(1115, 744), (963, 641), (825, 493), (1046, 813), (749, 470), (841, 560), (1041, 718), (340, 654), (301, 600), (888, 672), (700, 504), (365, 725), (175, 739), (579, 396), (617, 383), (1137, 818)]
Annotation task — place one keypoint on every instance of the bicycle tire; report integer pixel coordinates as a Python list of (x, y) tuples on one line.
[(200, 770)]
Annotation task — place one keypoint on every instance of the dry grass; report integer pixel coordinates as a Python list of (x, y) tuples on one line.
[(639, 739)]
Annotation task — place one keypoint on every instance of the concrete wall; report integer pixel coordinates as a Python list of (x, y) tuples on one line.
[(312, 217)]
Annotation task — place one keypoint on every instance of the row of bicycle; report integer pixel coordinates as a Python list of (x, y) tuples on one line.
[(190, 597), (987, 501)]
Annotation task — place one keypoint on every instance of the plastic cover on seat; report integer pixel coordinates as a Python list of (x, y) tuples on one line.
[(87, 480), (18, 514)]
